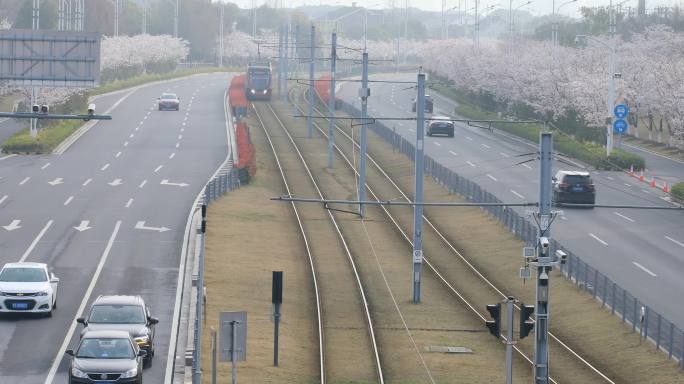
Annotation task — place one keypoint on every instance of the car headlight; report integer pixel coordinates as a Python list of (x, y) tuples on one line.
[(78, 373), (43, 293), (142, 339), (252, 91), (264, 91), (130, 373)]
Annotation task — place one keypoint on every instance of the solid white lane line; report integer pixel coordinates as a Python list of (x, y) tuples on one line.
[(453, 153), (45, 166), (644, 269), (667, 237), (503, 154), (527, 166), (598, 239), (35, 241), (128, 204), (486, 146), (517, 194), (437, 144), (87, 182), (177, 145), (68, 200), (143, 183), (491, 177), (25, 180), (7, 157), (118, 154), (471, 164), (104, 167), (469, 138), (623, 216), (158, 168), (2, 199), (172, 155), (125, 143), (70, 333)]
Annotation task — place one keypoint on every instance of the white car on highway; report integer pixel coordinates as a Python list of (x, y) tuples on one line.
[(27, 288)]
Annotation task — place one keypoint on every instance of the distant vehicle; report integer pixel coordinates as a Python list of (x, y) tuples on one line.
[(258, 85), (169, 102), (429, 104), (123, 313), (28, 287), (440, 126), (573, 187), (106, 357)]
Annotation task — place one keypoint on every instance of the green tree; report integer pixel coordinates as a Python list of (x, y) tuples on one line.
[(48, 15)]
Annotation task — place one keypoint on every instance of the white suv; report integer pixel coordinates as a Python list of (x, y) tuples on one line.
[(27, 287)]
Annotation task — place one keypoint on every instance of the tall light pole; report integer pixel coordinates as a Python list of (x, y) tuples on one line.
[(554, 25), (221, 35), (144, 17), (175, 19), (510, 17)]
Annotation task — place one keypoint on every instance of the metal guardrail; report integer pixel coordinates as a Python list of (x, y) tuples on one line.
[(652, 325)]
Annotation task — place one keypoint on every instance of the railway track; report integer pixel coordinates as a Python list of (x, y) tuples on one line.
[(337, 319), (401, 219)]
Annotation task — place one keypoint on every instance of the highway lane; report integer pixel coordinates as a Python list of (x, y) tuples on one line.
[(143, 166), (640, 250)]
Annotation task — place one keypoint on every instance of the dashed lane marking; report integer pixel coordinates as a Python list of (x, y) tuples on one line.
[(128, 204), (644, 269), (486, 146), (598, 239), (158, 168), (527, 166), (25, 180), (517, 194), (172, 155), (35, 241), (471, 164), (492, 177), (667, 237), (87, 182), (143, 183), (453, 153), (45, 166), (68, 200), (623, 216), (118, 154)]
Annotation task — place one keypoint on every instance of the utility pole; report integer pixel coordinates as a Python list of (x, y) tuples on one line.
[(280, 60), (116, 17), (312, 55), (365, 93), (175, 19), (221, 35), (611, 80), (286, 63), (34, 91), (144, 17), (418, 196), (331, 101), (544, 262)]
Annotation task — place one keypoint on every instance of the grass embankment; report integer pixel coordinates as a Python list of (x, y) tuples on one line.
[(589, 153), (52, 135)]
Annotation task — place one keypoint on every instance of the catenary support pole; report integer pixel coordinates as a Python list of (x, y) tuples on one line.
[(331, 101), (280, 61), (312, 57), (418, 209), (509, 340), (541, 351), (221, 35), (364, 131), (286, 62), (175, 19)]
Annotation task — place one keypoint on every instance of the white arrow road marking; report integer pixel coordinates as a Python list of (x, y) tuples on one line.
[(141, 225), (83, 226), (35, 241), (2, 199), (13, 225), (623, 216), (45, 166), (70, 333), (25, 180), (166, 182), (104, 167), (56, 181), (597, 239), (158, 168), (143, 183), (68, 200), (87, 182), (517, 194), (667, 237), (115, 182), (644, 269), (128, 204)]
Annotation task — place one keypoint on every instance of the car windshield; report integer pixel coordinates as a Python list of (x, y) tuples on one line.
[(23, 275), (577, 179), (105, 349), (168, 96), (117, 314)]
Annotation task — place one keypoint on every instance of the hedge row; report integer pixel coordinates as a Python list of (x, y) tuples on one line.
[(48, 138), (587, 152), (677, 191)]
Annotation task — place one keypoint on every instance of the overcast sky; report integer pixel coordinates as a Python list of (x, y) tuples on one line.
[(537, 7)]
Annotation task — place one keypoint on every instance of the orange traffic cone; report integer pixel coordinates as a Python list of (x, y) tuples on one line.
[(641, 175), (666, 188), (652, 183), (631, 170)]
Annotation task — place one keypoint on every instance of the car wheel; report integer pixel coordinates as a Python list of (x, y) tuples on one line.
[(147, 362)]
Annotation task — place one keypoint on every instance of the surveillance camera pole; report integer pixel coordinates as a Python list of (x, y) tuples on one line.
[(418, 196), (544, 263)]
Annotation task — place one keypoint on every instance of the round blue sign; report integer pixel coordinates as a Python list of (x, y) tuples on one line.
[(619, 126), (621, 111)]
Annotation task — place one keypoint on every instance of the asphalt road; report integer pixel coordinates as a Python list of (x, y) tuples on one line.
[(123, 180), (641, 250)]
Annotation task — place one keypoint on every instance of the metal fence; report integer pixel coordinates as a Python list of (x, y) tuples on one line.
[(650, 324)]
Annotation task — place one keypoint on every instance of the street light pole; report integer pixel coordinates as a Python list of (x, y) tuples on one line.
[(175, 20)]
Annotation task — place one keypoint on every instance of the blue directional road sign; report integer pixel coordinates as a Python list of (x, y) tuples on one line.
[(621, 111), (619, 126)]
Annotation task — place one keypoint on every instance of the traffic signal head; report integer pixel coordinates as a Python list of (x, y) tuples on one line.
[(495, 324), (526, 323)]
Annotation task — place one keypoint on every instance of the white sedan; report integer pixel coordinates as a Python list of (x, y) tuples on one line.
[(27, 287)]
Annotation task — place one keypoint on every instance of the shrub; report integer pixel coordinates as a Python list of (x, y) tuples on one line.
[(677, 191), (47, 139)]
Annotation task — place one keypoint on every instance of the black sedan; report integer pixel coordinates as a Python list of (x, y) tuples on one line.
[(169, 102), (106, 357)]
